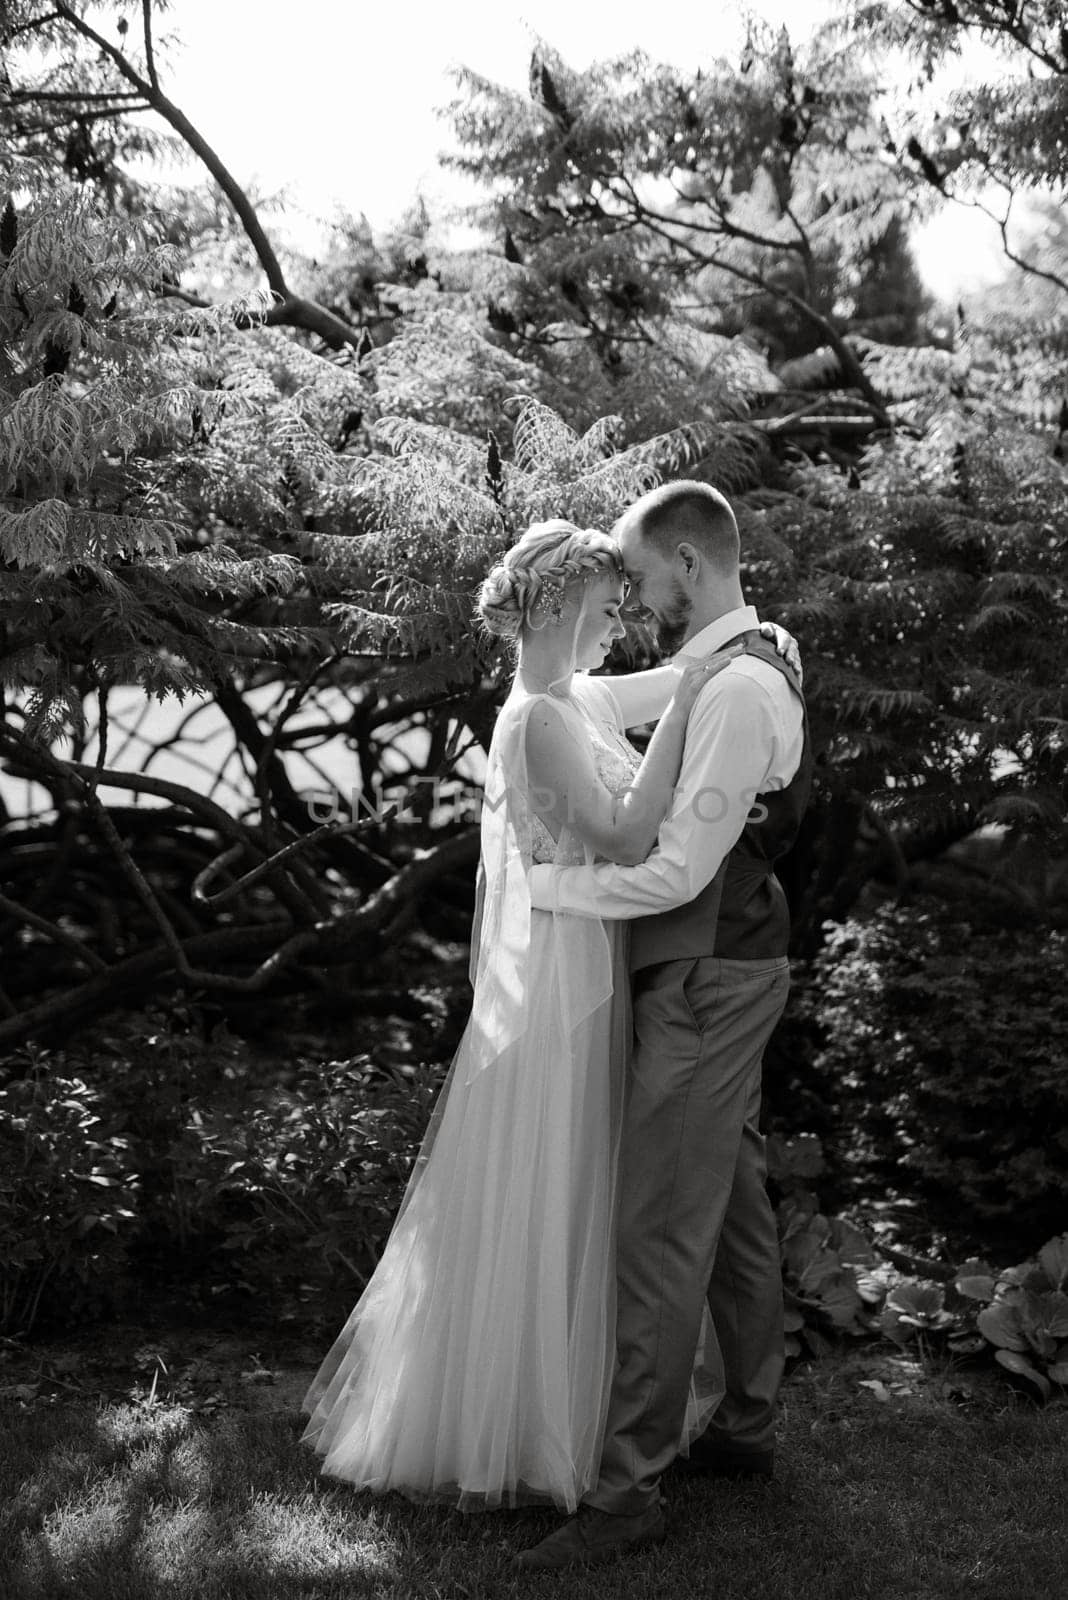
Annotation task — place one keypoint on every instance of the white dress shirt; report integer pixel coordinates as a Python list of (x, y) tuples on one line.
[(745, 736)]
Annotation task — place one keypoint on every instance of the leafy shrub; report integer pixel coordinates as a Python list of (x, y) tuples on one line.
[(186, 1161), (68, 1198), (833, 1281), (309, 1177), (946, 1051), (830, 1279), (1025, 1315), (838, 1282)]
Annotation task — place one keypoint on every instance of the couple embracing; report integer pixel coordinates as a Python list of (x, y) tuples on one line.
[(583, 1281)]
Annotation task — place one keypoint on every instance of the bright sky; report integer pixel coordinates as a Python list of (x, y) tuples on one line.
[(334, 102)]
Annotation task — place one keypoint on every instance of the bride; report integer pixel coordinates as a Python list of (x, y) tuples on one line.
[(476, 1366)]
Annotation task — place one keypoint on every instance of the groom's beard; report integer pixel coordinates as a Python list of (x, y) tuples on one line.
[(671, 629)]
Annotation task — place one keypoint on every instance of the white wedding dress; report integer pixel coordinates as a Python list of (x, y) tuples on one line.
[(476, 1366)]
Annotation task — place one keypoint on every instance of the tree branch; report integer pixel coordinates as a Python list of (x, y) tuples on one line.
[(340, 938), (34, 22), (150, 91), (53, 931), (290, 310), (673, 233), (301, 907), (1002, 225), (104, 988), (78, 96), (997, 22), (1000, 222), (348, 933), (852, 371), (150, 60)]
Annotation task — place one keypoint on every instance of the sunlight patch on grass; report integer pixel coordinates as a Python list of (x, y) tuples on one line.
[(62, 1474), (84, 1533), (156, 1500), (311, 1538), (187, 1473), (175, 1545), (127, 1426), (905, 1500)]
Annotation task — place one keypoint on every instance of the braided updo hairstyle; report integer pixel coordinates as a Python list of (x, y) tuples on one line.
[(523, 588)]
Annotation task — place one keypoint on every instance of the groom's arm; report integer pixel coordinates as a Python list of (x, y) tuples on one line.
[(734, 745)]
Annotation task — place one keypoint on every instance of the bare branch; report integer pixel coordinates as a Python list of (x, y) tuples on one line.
[(53, 931), (348, 933), (78, 96), (806, 421), (1000, 222), (150, 60), (1002, 225), (290, 310), (229, 185), (301, 905), (104, 988), (34, 22), (852, 370), (329, 830), (339, 938)]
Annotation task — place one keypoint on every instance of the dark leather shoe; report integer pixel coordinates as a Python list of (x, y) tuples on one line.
[(592, 1536), (708, 1460)]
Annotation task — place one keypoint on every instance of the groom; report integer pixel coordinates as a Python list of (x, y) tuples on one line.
[(710, 978)]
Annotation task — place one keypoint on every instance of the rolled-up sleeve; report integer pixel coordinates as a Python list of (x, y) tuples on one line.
[(733, 743)]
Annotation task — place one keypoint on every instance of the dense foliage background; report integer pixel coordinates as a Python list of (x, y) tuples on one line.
[(244, 703)]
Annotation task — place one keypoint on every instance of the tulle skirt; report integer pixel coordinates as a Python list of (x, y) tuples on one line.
[(476, 1366)]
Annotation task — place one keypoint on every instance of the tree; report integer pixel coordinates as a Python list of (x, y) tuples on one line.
[(69, 80), (912, 538), (632, 192), (186, 509), (93, 394), (909, 527), (103, 579), (986, 144)]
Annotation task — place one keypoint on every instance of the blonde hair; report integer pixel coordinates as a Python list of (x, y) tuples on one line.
[(536, 572)]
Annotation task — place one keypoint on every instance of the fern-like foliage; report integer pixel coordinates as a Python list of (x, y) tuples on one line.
[(67, 109), (935, 604), (634, 199), (435, 521), (989, 141), (98, 387)]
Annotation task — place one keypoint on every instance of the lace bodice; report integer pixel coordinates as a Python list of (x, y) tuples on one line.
[(616, 762)]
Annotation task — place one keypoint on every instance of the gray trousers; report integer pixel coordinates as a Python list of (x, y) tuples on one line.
[(695, 1221)]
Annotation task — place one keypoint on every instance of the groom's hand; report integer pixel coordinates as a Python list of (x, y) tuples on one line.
[(540, 884), (785, 646)]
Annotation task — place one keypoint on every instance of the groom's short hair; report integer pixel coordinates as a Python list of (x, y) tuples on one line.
[(686, 511)]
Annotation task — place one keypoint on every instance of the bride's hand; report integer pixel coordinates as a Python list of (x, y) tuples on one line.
[(697, 673), (785, 646)]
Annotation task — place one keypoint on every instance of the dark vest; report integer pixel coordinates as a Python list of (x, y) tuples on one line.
[(742, 915)]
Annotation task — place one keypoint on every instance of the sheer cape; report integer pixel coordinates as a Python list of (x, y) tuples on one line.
[(500, 947)]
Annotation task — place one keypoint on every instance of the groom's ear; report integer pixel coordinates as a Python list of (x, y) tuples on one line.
[(690, 557)]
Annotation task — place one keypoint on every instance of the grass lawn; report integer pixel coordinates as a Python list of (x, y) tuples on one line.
[(171, 1469)]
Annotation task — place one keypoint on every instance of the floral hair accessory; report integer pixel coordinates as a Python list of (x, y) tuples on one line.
[(551, 596)]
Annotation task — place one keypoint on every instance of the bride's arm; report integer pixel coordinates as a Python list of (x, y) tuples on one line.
[(567, 792), (642, 696)]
